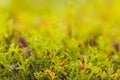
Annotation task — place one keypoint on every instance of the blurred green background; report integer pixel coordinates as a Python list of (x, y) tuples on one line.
[(85, 16)]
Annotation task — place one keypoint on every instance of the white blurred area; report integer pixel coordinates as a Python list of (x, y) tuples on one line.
[(5, 3)]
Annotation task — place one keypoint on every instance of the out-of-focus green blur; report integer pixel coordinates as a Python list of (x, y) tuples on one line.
[(85, 16)]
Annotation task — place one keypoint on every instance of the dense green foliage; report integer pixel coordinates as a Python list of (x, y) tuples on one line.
[(50, 55)]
